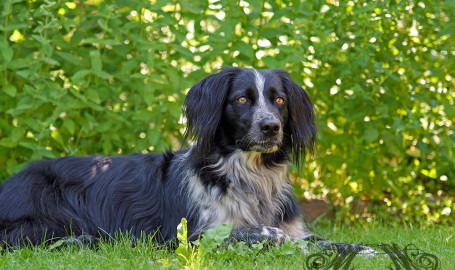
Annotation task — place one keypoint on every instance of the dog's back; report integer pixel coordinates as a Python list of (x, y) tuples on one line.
[(94, 195)]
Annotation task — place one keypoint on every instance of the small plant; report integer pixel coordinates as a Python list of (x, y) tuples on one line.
[(186, 253), (191, 255), (212, 239)]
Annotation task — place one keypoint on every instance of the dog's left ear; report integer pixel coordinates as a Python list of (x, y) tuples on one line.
[(301, 118), (204, 107)]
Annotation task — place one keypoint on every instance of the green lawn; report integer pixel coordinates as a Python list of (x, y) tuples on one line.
[(437, 240)]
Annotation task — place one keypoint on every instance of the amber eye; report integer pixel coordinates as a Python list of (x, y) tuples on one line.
[(242, 99), (279, 100)]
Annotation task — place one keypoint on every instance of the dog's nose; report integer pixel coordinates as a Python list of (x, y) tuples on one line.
[(270, 127)]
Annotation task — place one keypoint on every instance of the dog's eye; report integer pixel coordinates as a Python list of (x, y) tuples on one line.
[(242, 99), (279, 100)]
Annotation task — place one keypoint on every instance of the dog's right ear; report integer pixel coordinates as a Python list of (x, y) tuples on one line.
[(203, 108)]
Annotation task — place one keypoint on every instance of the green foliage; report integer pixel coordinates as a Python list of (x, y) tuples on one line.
[(120, 253), (213, 238), (84, 78), (210, 246), (109, 77), (186, 252), (192, 255)]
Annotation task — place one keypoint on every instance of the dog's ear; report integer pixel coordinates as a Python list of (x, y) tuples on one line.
[(301, 118), (203, 108)]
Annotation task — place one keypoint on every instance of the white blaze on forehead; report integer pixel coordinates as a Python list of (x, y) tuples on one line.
[(259, 81)]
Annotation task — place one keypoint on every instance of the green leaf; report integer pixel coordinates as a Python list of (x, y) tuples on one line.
[(103, 24), (80, 74), (8, 142), (103, 75), (23, 73), (39, 38), (95, 58), (93, 95), (6, 8), (183, 255), (20, 109), (296, 4), (69, 125), (10, 90), (182, 231), (48, 49), (46, 153), (19, 63), (130, 65), (183, 250), (280, 13), (56, 245), (7, 53), (392, 144), (190, 7), (77, 94), (70, 58), (256, 4), (270, 32), (31, 146), (245, 49), (111, 42), (214, 237), (158, 5), (51, 61), (371, 134), (33, 124), (91, 40)]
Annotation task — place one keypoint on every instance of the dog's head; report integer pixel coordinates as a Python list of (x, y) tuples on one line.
[(252, 110)]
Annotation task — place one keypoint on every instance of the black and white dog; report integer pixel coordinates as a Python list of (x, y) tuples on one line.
[(246, 124)]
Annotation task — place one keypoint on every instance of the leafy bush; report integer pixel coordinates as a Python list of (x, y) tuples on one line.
[(109, 77)]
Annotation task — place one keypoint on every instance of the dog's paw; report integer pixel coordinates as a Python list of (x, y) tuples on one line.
[(367, 251), (80, 241), (273, 233)]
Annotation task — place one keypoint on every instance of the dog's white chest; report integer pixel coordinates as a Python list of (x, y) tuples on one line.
[(254, 195)]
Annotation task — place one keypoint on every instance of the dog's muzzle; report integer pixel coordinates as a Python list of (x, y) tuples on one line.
[(268, 136)]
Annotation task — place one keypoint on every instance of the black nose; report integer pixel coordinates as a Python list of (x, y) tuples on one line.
[(270, 127)]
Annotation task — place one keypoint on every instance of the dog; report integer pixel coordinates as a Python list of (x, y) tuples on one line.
[(245, 124)]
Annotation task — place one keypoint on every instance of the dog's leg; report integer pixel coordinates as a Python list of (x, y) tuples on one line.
[(23, 231), (322, 244), (297, 230), (27, 230)]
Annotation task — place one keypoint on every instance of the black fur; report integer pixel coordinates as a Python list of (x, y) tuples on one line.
[(204, 107), (245, 124), (302, 118)]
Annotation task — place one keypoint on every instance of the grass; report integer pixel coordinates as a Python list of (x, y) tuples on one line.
[(438, 240)]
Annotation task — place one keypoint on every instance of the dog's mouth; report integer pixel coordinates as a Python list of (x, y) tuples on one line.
[(266, 147)]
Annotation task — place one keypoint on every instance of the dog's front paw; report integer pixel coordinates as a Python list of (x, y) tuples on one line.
[(367, 251), (273, 233), (81, 241)]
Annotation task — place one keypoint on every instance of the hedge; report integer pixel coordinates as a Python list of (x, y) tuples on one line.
[(110, 77)]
